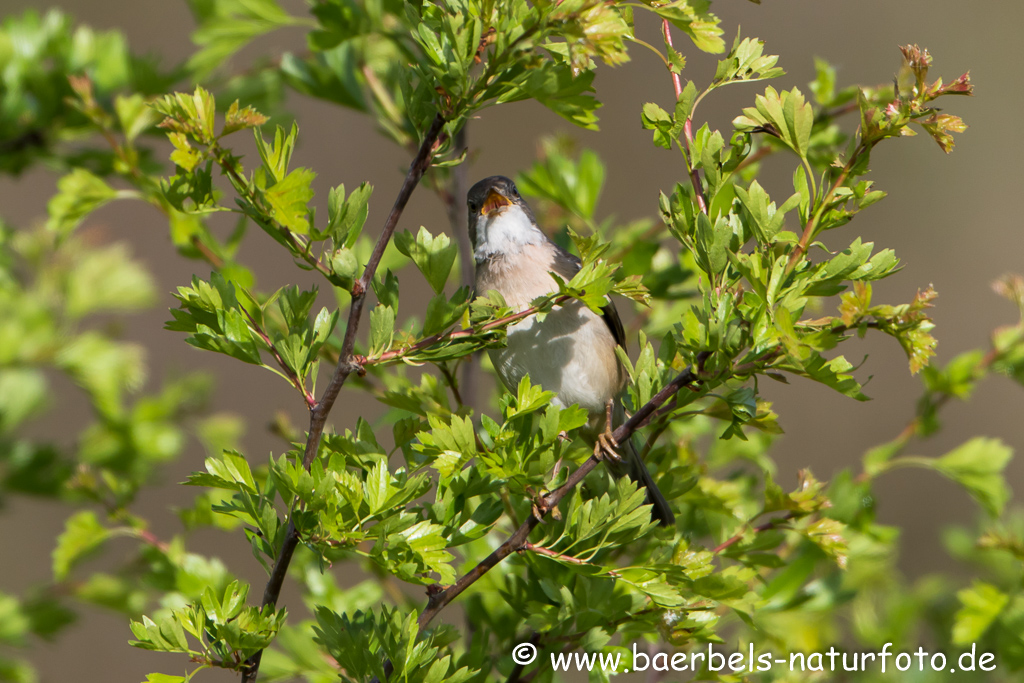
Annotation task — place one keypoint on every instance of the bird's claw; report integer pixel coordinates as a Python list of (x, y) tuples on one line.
[(606, 445), (605, 448)]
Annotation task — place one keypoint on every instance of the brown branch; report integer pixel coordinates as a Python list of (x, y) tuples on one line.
[(455, 335), (438, 600), (452, 381), (677, 84), (914, 425), (293, 376), (555, 555), (758, 529), (319, 411), (812, 222)]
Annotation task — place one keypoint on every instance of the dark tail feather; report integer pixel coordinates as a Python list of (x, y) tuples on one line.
[(638, 472), (634, 467)]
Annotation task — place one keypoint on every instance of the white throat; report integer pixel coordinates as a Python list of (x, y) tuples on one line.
[(505, 232)]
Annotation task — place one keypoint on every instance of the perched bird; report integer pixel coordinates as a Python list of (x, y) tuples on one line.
[(572, 352)]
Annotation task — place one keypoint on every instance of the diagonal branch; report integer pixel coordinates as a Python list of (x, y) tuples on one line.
[(518, 540), (319, 411)]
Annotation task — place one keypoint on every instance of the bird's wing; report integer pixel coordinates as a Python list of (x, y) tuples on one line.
[(567, 266)]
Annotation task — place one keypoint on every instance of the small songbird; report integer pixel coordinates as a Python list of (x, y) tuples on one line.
[(572, 351)]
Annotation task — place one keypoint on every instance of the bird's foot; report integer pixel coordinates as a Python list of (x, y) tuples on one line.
[(605, 448), (606, 445)]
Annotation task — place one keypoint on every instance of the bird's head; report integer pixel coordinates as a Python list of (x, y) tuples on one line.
[(500, 221)]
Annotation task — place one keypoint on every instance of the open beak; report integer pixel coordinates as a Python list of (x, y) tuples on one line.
[(494, 202)]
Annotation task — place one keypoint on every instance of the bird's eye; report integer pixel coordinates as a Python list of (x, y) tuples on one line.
[(473, 206), (515, 192)]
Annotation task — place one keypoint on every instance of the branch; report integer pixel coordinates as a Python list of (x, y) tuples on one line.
[(555, 555), (518, 540), (455, 335), (812, 222), (758, 529), (293, 377), (319, 411), (677, 84), (914, 426)]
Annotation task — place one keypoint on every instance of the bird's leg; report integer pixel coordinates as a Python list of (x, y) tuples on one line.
[(606, 444)]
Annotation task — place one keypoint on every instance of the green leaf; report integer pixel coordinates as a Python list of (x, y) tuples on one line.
[(166, 678), (236, 119), (573, 185), (278, 155), (108, 279), (23, 393), (978, 466), (192, 192), (692, 17), (346, 217), (434, 256), (657, 119), (83, 534), (103, 368), (345, 264), (827, 534), (766, 219), (787, 115), (134, 115), (443, 312), (565, 93), (713, 243), (289, 199), (227, 26), (746, 63), (382, 329), (14, 623), (79, 193), (981, 605)]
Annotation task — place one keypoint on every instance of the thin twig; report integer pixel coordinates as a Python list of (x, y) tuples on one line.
[(293, 376), (913, 427), (319, 411), (677, 84), (453, 382), (455, 335), (555, 555), (812, 222), (758, 529)]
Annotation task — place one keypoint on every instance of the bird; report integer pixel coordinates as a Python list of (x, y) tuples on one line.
[(572, 350)]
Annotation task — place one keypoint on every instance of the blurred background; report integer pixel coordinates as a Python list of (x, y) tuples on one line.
[(951, 219)]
